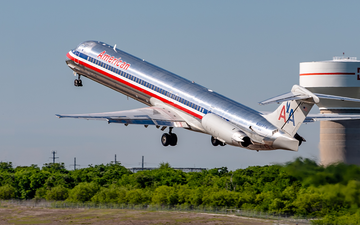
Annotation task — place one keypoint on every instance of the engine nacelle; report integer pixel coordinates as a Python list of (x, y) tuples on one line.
[(224, 131)]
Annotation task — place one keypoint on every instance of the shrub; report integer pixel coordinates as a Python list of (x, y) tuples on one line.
[(165, 195), (112, 194), (83, 192), (7, 192), (57, 193)]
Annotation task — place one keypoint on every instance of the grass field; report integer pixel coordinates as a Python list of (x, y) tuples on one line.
[(11, 214)]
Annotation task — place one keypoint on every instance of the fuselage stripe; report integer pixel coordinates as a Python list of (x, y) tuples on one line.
[(80, 61), (315, 74)]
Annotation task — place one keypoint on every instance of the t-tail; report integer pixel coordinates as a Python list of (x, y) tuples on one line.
[(293, 110)]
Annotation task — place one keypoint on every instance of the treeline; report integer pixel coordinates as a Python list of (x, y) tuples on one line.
[(300, 187)]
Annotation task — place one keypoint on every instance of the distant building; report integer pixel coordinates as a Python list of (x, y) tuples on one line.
[(185, 169), (339, 140)]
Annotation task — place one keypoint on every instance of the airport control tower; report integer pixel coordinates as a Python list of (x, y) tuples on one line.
[(339, 140)]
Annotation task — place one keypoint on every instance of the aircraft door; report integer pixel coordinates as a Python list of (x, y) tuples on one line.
[(76, 60), (78, 50)]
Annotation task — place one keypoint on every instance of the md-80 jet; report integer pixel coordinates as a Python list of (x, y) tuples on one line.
[(175, 102)]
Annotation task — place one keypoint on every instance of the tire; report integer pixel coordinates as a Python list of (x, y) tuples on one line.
[(214, 141), (173, 139), (165, 139), (80, 83), (76, 83)]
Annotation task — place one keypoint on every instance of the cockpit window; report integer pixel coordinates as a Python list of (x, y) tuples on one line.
[(85, 46)]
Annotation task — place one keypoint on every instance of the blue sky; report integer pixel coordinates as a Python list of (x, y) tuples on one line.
[(246, 50)]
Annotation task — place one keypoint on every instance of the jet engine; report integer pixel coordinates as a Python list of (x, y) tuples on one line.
[(224, 131)]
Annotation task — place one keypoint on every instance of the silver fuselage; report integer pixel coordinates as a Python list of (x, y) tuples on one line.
[(148, 83)]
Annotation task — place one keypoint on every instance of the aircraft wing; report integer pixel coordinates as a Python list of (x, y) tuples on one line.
[(144, 116)]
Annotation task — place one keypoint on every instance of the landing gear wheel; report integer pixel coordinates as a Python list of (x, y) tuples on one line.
[(165, 139), (78, 82), (169, 139), (173, 139), (214, 141)]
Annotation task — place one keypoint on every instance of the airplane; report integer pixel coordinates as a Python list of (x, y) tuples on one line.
[(175, 102)]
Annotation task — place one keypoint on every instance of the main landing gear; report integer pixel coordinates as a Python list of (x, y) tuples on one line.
[(169, 138), (216, 142), (78, 82)]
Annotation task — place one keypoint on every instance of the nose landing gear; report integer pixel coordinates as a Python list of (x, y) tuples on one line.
[(169, 138), (78, 82)]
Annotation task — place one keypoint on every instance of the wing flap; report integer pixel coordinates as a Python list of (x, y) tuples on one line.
[(145, 116)]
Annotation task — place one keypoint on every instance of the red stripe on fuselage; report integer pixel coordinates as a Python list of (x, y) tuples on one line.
[(132, 86), (314, 74)]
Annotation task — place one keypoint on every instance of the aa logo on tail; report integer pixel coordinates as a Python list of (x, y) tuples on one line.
[(288, 113)]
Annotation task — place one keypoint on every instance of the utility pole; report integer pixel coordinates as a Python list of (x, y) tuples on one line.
[(115, 161), (142, 164), (53, 157), (75, 164)]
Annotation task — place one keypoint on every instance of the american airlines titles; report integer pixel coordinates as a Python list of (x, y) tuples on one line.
[(284, 112), (112, 60)]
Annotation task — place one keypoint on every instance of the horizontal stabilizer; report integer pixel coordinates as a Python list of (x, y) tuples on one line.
[(145, 116), (330, 117), (297, 93), (334, 97), (300, 93)]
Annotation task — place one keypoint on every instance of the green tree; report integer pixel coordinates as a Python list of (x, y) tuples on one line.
[(57, 193), (135, 196), (83, 192), (7, 192), (165, 195), (112, 194), (6, 167), (55, 168)]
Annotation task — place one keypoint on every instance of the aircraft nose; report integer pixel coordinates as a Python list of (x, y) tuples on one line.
[(287, 143)]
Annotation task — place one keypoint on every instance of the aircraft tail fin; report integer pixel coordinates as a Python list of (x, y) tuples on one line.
[(295, 106), (290, 115)]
